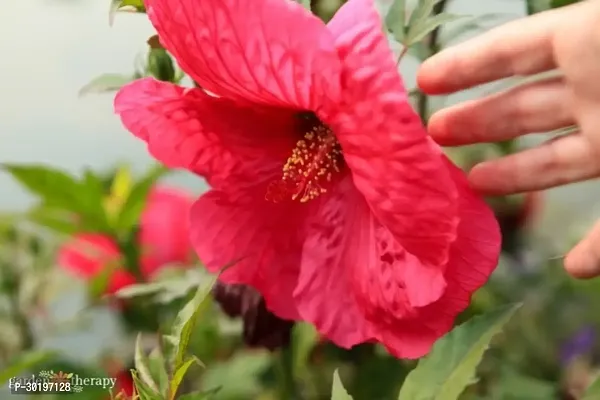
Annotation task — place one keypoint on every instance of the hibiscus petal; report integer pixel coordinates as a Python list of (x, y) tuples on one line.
[(473, 258), (264, 51), (398, 169), (186, 128), (354, 274), (334, 246), (264, 239)]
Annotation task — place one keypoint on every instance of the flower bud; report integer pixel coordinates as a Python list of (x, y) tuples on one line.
[(160, 65), (261, 327)]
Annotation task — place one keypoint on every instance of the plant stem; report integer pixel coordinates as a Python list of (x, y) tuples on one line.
[(434, 37), (402, 54), (432, 43), (27, 341), (19, 318), (285, 372), (529, 7), (131, 254)]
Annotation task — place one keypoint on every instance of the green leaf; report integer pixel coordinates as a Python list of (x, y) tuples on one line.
[(378, 377), (92, 195), (99, 283), (239, 377), (416, 33), (179, 75), (106, 83), (419, 51), (186, 319), (93, 186), (129, 214), (511, 384), (157, 367), (305, 4), (140, 289), (593, 391), (59, 190), (178, 377), (142, 389), (177, 288), (138, 4), (421, 13), (170, 340), (141, 365), (23, 363), (56, 187), (56, 220), (536, 6), (338, 392), (160, 65), (562, 3), (395, 20), (304, 338), (201, 395), (112, 11), (451, 365), (124, 5)]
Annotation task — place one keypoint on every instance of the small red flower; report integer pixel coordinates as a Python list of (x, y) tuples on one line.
[(163, 239), (124, 384), (165, 229), (326, 188)]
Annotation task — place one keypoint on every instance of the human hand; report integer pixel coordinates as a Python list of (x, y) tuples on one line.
[(567, 39)]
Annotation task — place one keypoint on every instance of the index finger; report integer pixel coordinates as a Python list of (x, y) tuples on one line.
[(520, 47)]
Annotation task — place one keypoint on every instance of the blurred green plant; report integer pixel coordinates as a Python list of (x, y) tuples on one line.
[(450, 367), (170, 361), (425, 19), (61, 197), (338, 392), (536, 6), (157, 63), (26, 284), (67, 203), (593, 392)]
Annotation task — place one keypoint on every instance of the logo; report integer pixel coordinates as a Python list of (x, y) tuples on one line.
[(60, 377), (50, 382)]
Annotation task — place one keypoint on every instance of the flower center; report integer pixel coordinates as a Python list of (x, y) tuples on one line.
[(311, 167)]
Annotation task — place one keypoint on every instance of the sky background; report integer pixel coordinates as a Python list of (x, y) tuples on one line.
[(51, 48)]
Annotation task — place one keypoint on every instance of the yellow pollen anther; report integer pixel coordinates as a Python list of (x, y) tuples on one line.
[(309, 167)]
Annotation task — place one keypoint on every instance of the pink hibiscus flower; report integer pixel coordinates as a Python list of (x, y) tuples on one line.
[(163, 239), (325, 186)]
